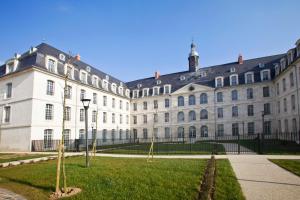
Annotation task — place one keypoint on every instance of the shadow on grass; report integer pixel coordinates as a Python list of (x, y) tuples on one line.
[(22, 182)]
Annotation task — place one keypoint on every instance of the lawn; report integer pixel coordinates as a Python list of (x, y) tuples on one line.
[(290, 165), (110, 178), (226, 184), (18, 156), (165, 148)]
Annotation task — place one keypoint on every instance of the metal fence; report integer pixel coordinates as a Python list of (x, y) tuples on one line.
[(277, 143)]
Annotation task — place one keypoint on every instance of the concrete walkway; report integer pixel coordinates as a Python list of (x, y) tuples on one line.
[(9, 195), (261, 179)]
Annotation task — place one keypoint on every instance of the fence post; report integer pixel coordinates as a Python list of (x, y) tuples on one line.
[(259, 145), (239, 146)]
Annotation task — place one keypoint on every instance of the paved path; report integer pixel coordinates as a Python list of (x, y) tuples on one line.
[(9, 195), (261, 179), (232, 148)]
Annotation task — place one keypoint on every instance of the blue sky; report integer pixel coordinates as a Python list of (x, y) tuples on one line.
[(132, 39)]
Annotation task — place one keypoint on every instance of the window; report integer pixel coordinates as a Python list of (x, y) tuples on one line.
[(192, 115), (94, 133), (113, 118), (220, 112), (104, 100), (203, 98), (68, 92), (7, 114), (180, 101), (114, 88), (267, 127), (267, 109), (167, 132), (167, 103), (155, 104), (155, 117), (134, 120), (121, 91), (192, 100), (283, 84), (81, 115), (292, 82), (279, 126), (145, 92), (134, 106), (48, 138), (121, 118), (113, 134), (235, 129), (294, 125), (49, 112), (51, 65), (234, 80), (284, 105), (180, 117), (203, 114), (277, 89), (145, 133), (219, 97), (249, 77), (121, 104), (155, 132), (127, 134), (127, 119), (265, 75), (155, 91), (286, 125), (94, 116), (67, 113), (82, 94), (50, 87), (69, 71), (127, 106), (167, 89), (104, 117), (266, 91), (249, 93), (67, 133), (135, 94), (94, 98), (204, 131), (10, 67), (180, 132), (235, 111), (192, 132), (220, 129), (293, 102), (113, 103), (83, 77), (145, 119), (250, 128), (120, 134), (104, 135), (278, 106), (167, 116), (219, 82), (8, 90), (234, 95), (250, 110)]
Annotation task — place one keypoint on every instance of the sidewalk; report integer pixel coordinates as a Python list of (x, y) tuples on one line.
[(261, 179)]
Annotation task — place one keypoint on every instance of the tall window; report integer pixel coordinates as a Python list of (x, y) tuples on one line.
[(94, 116), (292, 82), (69, 92), (277, 89), (293, 102), (8, 90), (145, 119), (192, 100), (235, 129), (220, 130), (121, 104), (180, 117), (167, 116), (286, 125), (82, 94), (219, 97), (121, 134), (127, 134), (278, 106), (50, 87), (83, 77), (250, 110), (113, 118), (192, 115), (134, 120), (265, 75), (81, 115), (204, 131), (155, 117), (233, 80), (180, 132), (249, 93), (249, 78), (155, 104), (127, 106), (180, 101), (266, 91), (155, 91), (220, 112), (167, 132), (203, 98), (167, 103), (283, 84), (234, 95), (235, 111), (192, 132), (104, 135), (68, 113), (284, 105), (104, 117), (250, 128), (48, 138), (145, 133), (134, 106), (113, 103), (294, 125), (127, 119), (49, 112), (51, 65), (7, 114), (104, 100), (219, 82), (94, 98), (67, 133), (113, 134), (267, 127), (167, 89), (203, 114)]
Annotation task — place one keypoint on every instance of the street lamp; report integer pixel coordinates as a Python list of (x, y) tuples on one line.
[(86, 103)]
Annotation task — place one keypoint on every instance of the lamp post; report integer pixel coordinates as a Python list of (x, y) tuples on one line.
[(86, 103)]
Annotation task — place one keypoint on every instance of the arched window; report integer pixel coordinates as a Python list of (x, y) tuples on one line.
[(192, 132), (180, 101), (180, 132), (203, 114), (204, 131), (203, 98), (192, 116), (192, 100), (180, 117), (234, 95)]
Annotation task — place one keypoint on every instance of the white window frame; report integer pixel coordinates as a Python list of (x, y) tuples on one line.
[(71, 76), (135, 94), (153, 93), (222, 81), (252, 77), (262, 72), (55, 62), (145, 94), (237, 79), (105, 84), (95, 81), (127, 93), (167, 86), (80, 76), (14, 63), (114, 88), (282, 63), (121, 90)]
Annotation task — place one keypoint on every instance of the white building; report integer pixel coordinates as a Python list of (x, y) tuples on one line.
[(205, 102)]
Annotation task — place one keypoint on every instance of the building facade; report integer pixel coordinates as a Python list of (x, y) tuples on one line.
[(246, 97)]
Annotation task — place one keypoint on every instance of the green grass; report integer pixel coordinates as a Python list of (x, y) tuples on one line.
[(226, 184), (110, 178), (290, 165), (165, 148), (18, 156)]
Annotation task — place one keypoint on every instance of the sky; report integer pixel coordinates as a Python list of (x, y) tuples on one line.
[(134, 38)]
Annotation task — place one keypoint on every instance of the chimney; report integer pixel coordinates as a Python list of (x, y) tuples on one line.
[(156, 75), (77, 57), (240, 59)]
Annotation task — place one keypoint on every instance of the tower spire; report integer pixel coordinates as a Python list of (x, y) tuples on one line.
[(193, 58)]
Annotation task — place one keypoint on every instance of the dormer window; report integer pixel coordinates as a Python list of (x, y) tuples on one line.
[(232, 69), (298, 50), (261, 65), (139, 85), (51, 65), (234, 80), (282, 64), (155, 91), (121, 90), (249, 78), (145, 92), (135, 94), (167, 89), (105, 84), (127, 93), (107, 77), (10, 67), (62, 57), (95, 81), (83, 77), (88, 69), (219, 82), (158, 82), (69, 70), (265, 75), (114, 88), (277, 69), (203, 74), (182, 78), (290, 56)]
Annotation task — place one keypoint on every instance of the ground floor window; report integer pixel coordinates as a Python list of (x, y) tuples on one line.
[(121, 134), (48, 138), (220, 130), (167, 132), (155, 132), (127, 134), (204, 131), (192, 132), (180, 132), (250, 128), (134, 134), (235, 129), (267, 128), (94, 134), (104, 135), (81, 136), (145, 133), (67, 133), (113, 134)]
